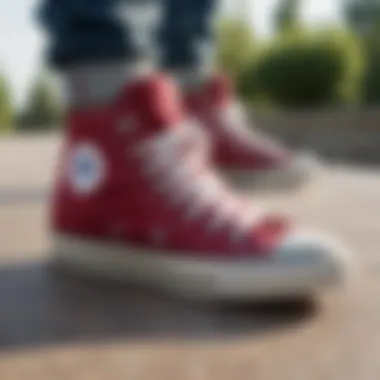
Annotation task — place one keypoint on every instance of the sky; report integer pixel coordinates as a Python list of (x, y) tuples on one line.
[(22, 42)]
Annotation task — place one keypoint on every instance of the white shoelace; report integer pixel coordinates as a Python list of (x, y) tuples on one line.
[(235, 116), (187, 182)]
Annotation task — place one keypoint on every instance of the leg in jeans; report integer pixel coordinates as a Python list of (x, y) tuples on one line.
[(85, 31), (187, 36), (97, 44)]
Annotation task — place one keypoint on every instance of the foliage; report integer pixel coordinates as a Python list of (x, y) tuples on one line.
[(236, 46), (6, 106), (310, 69), (43, 110)]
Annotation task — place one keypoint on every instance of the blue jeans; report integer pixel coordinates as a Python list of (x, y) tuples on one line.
[(177, 32)]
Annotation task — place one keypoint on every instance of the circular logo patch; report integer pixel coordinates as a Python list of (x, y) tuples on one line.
[(86, 168)]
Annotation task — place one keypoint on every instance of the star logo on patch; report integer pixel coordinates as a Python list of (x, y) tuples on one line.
[(87, 169)]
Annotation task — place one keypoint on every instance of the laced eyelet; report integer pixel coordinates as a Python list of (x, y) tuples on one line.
[(162, 187), (139, 151), (127, 124), (236, 237), (187, 184), (193, 211), (215, 224), (158, 236)]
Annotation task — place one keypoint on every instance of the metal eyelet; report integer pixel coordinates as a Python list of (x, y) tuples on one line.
[(127, 124)]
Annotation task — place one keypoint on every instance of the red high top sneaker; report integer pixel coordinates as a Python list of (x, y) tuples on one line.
[(246, 157), (136, 199)]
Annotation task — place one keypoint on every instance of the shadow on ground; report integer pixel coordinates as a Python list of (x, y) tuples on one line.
[(41, 306), (24, 196)]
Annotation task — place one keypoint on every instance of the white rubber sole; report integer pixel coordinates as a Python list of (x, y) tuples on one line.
[(199, 279)]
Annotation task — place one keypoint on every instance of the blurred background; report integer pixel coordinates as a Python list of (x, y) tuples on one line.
[(307, 69), (281, 54), (308, 72)]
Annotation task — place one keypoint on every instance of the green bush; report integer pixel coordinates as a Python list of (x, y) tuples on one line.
[(6, 106), (301, 69)]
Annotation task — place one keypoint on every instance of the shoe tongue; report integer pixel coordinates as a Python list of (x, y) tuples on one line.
[(156, 102), (217, 92), (220, 89)]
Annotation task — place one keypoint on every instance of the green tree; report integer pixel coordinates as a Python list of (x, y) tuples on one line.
[(287, 16), (6, 106), (43, 109), (364, 17), (236, 46)]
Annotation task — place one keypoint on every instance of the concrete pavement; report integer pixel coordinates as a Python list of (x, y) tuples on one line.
[(61, 327)]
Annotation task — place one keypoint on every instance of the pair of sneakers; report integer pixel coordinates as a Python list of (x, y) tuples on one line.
[(137, 197)]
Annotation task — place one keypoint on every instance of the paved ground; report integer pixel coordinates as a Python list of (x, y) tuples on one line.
[(58, 327)]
